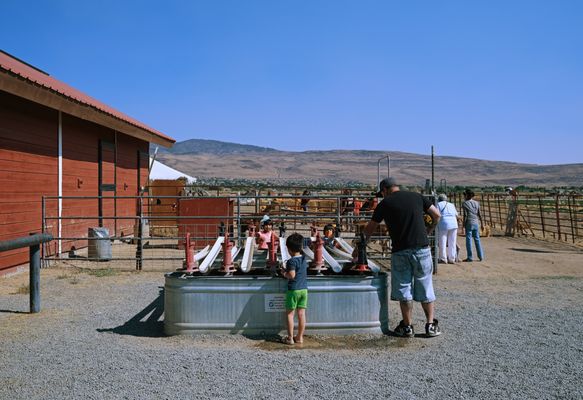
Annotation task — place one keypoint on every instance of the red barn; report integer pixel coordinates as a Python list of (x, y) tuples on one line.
[(57, 141)]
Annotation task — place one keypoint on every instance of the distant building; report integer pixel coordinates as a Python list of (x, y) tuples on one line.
[(57, 141)]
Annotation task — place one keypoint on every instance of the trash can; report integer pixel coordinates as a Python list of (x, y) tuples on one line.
[(100, 247)]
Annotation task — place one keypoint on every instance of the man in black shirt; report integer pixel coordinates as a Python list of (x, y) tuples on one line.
[(411, 262)]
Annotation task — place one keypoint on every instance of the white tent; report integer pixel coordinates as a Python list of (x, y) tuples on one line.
[(162, 171)]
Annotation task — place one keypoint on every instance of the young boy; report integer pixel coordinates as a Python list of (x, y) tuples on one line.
[(329, 236), (296, 298)]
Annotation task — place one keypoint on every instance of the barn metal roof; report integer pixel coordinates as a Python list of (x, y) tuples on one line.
[(11, 65)]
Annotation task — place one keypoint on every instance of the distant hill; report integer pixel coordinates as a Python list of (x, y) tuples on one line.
[(197, 146), (211, 158)]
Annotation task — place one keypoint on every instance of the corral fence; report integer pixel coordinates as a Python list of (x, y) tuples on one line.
[(558, 216), (150, 230)]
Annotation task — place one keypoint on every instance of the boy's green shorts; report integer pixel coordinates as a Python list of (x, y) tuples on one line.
[(296, 299)]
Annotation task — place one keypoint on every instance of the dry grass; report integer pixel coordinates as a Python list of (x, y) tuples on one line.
[(23, 289), (99, 273)]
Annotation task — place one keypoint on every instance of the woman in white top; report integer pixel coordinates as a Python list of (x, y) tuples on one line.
[(447, 230)]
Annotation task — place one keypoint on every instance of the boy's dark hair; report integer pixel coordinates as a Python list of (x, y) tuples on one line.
[(294, 242), (328, 227)]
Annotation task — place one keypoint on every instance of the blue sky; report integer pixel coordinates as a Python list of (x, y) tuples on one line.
[(496, 80)]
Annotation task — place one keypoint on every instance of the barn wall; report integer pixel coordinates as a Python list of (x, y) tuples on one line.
[(119, 167), (28, 169), (127, 179), (80, 179)]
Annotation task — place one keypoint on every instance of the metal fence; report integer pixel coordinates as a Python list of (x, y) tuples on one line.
[(33, 242), (150, 230), (558, 216)]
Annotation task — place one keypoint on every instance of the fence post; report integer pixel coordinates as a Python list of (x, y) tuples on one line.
[(239, 233), (542, 217), (34, 282), (338, 222), (43, 230), (558, 217), (571, 217), (139, 247), (489, 213), (576, 211), (499, 211)]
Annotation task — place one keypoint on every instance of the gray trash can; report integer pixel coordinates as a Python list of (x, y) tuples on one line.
[(99, 248)]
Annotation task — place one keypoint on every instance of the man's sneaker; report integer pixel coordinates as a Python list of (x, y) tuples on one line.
[(403, 330), (432, 329)]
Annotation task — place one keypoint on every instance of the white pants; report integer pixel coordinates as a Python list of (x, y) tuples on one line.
[(447, 239)]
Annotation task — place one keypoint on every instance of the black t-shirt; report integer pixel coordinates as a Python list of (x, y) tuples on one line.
[(403, 213)]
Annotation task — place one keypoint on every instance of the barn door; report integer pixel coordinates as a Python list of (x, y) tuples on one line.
[(106, 172)]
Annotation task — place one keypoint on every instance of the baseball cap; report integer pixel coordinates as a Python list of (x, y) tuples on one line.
[(386, 183)]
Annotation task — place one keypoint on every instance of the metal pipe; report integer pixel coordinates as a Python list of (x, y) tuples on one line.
[(33, 243), (43, 225), (379, 168), (432, 171), (25, 241), (139, 247), (435, 244), (443, 185), (151, 163), (34, 281), (329, 196), (239, 233), (60, 181)]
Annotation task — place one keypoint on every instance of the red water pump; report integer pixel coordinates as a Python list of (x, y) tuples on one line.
[(318, 263), (189, 264)]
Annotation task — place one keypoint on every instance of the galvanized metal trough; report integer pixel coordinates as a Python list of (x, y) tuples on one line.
[(255, 304)]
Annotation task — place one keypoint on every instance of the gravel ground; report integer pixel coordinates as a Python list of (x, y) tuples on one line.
[(512, 329)]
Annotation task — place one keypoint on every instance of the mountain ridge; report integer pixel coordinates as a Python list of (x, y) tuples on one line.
[(213, 158)]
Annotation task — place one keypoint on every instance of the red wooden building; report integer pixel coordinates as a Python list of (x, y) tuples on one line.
[(57, 141)]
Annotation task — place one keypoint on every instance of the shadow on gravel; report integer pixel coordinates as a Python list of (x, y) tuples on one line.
[(531, 250), (146, 323), (13, 312)]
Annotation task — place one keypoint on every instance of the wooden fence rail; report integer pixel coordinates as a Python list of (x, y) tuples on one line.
[(559, 216)]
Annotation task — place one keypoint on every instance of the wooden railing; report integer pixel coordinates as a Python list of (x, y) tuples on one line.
[(558, 216)]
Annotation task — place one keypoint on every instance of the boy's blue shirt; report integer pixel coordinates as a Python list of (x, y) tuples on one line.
[(299, 264)]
